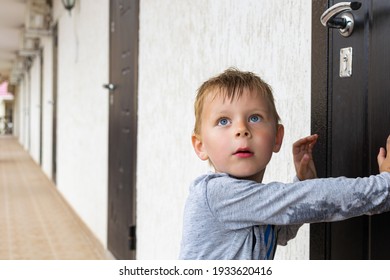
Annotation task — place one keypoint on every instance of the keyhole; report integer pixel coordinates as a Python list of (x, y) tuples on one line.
[(345, 60)]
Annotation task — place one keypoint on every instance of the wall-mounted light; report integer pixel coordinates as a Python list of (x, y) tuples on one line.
[(68, 4)]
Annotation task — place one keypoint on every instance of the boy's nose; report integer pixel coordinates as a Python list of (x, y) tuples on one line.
[(242, 130), (243, 133)]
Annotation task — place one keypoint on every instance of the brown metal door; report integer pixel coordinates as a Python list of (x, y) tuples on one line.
[(54, 103), (124, 17), (352, 116)]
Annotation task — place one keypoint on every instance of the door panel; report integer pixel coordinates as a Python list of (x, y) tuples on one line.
[(123, 127), (55, 93), (348, 137), (354, 126), (379, 120)]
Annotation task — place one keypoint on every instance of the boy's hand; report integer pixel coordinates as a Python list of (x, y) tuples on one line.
[(384, 157), (303, 157)]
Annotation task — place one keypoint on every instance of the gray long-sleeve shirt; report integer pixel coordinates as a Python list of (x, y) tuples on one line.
[(226, 218)]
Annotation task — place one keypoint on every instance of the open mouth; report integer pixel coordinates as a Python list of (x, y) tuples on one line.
[(243, 153)]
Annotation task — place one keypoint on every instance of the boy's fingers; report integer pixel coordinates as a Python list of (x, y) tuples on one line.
[(387, 144), (304, 161), (381, 156), (303, 166), (306, 140), (303, 140), (384, 153), (311, 140), (299, 143), (312, 144)]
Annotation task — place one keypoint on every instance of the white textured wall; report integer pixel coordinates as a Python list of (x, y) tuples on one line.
[(47, 106), (35, 108), (82, 143), (16, 113), (25, 111), (19, 111), (2, 109), (182, 43)]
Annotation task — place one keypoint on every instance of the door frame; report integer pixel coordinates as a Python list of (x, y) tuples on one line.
[(320, 40)]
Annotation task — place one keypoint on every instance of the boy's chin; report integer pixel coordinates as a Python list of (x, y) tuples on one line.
[(257, 177)]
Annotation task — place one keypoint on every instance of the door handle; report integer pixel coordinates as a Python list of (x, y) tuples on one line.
[(345, 22), (109, 86)]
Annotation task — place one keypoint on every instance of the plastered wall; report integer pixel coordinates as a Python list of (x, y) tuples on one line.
[(182, 43), (47, 106), (2, 109), (24, 111), (35, 108), (82, 119)]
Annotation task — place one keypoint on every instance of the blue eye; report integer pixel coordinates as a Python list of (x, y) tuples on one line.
[(255, 119), (223, 122)]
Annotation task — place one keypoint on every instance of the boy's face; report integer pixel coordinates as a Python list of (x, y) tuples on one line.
[(238, 136)]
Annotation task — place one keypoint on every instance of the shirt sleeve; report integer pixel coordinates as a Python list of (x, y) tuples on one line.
[(287, 232), (242, 203)]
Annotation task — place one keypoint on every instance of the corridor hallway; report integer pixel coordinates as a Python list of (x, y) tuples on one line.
[(35, 221)]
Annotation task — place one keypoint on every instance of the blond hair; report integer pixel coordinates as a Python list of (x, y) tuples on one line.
[(231, 84)]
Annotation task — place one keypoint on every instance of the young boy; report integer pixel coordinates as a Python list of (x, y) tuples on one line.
[(229, 213)]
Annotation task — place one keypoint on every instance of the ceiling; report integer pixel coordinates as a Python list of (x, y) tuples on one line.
[(22, 22)]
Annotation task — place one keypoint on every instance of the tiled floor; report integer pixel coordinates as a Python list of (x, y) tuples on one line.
[(35, 221)]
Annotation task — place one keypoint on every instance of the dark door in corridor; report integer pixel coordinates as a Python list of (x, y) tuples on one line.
[(122, 89), (352, 116), (54, 103)]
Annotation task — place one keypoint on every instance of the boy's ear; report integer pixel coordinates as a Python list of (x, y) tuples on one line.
[(198, 147), (279, 138)]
